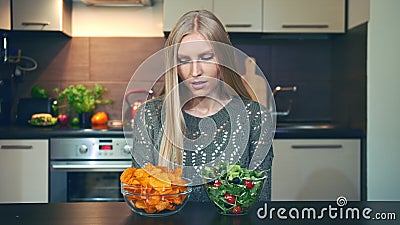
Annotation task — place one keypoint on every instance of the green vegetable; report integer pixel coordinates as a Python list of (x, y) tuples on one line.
[(82, 99), (75, 121), (235, 188), (39, 92)]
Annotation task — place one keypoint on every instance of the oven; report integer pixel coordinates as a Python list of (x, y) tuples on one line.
[(87, 169)]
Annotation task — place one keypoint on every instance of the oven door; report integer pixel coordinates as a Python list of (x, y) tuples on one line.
[(86, 181)]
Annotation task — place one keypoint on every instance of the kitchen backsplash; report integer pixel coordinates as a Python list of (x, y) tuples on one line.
[(111, 61)]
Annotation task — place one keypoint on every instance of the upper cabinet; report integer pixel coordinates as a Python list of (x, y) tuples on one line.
[(357, 12), (46, 15), (239, 15), (304, 16), (236, 15), (267, 16), (5, 15), (174, 9)]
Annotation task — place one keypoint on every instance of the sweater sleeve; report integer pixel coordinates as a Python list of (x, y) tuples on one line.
[(260, 144), (143, 135)]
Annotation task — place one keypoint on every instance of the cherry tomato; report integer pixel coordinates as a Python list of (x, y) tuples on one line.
[(230, 198), (237, 209), (249, 184), (217, 183)]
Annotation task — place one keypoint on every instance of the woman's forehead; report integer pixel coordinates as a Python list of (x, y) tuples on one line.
[(194, 48), (193, 44)]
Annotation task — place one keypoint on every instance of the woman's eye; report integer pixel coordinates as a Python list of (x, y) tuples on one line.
[(207, 57), (183, 60)]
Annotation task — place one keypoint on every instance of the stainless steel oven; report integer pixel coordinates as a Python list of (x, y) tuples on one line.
[(87, 169)]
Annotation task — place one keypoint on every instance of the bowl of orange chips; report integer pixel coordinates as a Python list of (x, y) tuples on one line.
[(155, 191)]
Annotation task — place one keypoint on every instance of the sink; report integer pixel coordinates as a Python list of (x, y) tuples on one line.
[(304, 126)]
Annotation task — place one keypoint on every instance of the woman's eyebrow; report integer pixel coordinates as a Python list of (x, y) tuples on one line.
[(208, 51)]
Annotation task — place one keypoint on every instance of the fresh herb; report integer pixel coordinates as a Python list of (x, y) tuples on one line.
[(233, 189), (81, 98)]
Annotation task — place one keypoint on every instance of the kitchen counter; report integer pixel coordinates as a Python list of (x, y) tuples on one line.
[(282, 131), (117, 213)]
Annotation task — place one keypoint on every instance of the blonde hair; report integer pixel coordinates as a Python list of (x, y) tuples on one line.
[(210, 27)]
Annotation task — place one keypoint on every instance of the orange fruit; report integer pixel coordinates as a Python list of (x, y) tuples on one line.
[(99, 118)]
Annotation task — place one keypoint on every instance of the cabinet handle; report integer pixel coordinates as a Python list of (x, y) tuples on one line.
[(35, 23), (16, 147), (238, 25), (306, 26), (317, 146)]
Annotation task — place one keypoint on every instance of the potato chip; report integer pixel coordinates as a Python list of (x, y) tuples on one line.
[(140, 204), (162, 205)]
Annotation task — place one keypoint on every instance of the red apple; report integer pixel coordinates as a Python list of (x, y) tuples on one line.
[(63, 119)]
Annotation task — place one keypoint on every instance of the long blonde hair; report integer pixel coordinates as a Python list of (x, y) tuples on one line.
[(210, 27)]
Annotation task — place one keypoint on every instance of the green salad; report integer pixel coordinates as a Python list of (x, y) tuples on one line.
[(233, 188)]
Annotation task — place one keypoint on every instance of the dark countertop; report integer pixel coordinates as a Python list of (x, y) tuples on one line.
[(117, 213), (283, 131)]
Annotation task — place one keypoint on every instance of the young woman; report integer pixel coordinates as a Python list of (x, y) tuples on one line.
[(205, 114)]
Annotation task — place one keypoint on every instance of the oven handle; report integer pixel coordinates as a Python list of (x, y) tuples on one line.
[(67, 167)]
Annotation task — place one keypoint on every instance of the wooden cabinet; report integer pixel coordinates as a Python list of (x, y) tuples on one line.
[(45, 15), (24, 171), (316, 169), (239, 15), (174, 9), (304, 16)]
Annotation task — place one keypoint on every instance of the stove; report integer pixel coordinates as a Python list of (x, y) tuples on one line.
[(87, 169)]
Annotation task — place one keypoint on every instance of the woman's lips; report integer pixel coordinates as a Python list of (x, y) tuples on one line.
[(198, 84)]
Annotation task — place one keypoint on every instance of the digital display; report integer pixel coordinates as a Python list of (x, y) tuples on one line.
[(106, 147)]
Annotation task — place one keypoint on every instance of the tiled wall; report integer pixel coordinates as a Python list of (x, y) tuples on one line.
[(63, 61), (310, 64)]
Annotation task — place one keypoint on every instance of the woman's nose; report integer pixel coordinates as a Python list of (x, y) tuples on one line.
[(196, 69)]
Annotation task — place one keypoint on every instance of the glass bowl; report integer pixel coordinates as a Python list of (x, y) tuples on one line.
[(235, 195), (155, 202)]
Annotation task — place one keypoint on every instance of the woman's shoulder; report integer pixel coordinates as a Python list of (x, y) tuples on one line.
[(250, 104), (150, 108), (152, 104)]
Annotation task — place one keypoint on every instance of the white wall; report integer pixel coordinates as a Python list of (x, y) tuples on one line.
[(90, 21), (383, 101)]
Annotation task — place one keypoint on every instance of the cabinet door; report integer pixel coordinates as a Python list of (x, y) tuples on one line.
[(304, 16), (37, 15), (239, 16), (316, 170), (174, 9), (5, 14), (24, 171)]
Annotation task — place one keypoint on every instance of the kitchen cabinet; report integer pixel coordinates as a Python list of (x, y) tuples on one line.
[(174, 9), (238, 15), (5, 14), (357, 12), (24, 171), (304, 16), (267, 16), (42, 15), (316, 169)]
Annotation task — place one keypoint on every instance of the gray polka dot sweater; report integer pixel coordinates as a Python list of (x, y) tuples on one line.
[(241, 131)]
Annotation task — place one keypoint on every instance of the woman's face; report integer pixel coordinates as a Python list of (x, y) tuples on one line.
[(197, 65)]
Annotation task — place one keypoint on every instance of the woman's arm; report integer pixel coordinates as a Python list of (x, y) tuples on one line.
[(260, 144), (143, 134)]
